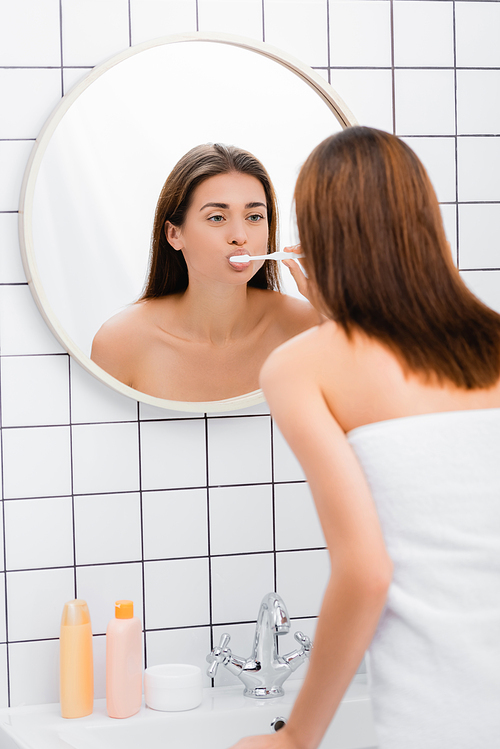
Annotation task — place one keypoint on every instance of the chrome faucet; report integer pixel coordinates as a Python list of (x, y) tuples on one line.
[(264, 672)]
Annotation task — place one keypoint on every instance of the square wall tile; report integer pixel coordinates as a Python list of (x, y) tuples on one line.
[(189, 645), (477, 25), (4, 694), (72, 76), (297, 522), (299, 28), (239, 584), (478, 231), (36, 462), (243, 17), (418, 20), (367, 93), (22, 328), (241, 519), (360, 33), (239, 450), (13, 159), (108, 528), (28, 97), (173, 454), (3, 629), (485, 284), (99, 653), (286, 465), (102, 585), (478, 107), (241, 643), (176, 593), (302, 578), (478, 169), (38, 533), (42, 591), (449, 215), (438, 157), (34, 672), (35, 390), (425, 102), (93, 30), (93, 401), (30, 34), (105, 458), (175, 523), (155, 413), (11, 266), (153, 18)]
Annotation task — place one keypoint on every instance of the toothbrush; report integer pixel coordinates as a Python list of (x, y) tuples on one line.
[(281, 255)]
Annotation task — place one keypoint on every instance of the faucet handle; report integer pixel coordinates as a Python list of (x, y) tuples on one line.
[(304, 640), (218, 655)]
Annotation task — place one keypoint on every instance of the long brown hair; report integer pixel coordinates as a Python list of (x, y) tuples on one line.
[(370, 227), (168, 272)]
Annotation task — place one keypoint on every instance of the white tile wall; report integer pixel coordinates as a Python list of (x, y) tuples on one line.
[(197, 518)]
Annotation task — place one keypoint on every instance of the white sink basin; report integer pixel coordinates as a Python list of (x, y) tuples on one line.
[(223, 718)]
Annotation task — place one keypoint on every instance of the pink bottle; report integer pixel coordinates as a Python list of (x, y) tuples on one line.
[(123, 662)]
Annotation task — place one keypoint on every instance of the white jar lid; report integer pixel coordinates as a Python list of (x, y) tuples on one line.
[(173, 676)]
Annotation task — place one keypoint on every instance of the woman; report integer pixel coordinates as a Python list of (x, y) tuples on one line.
[(392, 406), (204, 324)]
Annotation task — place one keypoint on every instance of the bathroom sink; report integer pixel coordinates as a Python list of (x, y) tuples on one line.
[(224, 717)]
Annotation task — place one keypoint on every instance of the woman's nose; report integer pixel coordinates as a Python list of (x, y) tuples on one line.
[(237, 235)]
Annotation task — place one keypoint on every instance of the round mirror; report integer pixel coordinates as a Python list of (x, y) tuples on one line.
[(96, 171)]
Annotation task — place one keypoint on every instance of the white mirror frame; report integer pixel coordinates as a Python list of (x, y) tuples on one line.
[(313, 79)]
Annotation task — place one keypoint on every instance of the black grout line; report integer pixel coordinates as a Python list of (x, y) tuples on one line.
[(328, 48), (141, 510), (129, 25), (393, 73), (4, 538), (455, 104), (263, 21), (61, 46), (209, 548), (197, 16), (143, 561), (71, 468)]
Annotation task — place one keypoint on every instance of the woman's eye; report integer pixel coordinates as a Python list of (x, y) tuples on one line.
[(255, 218), (216, 219)]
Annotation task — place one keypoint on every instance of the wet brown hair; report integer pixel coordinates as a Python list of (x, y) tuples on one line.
[(168, 272), (371, 230)]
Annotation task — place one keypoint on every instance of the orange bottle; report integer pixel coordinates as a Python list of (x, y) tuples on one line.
[(76, 661), (123, 662)]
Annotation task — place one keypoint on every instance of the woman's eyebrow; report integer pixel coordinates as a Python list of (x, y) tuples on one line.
[(225, 206)]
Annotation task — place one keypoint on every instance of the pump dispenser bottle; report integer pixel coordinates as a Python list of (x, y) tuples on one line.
[(76, 662), (123, 662)]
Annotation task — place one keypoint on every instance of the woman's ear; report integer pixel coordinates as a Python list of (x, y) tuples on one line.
[(173, 235)]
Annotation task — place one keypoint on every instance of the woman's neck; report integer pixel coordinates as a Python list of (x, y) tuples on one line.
[(216, 314)]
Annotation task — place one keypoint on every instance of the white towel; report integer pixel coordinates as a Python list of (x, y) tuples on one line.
[(434, 662)]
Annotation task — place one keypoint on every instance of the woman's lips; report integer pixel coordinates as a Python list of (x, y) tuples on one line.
[(239, 266)]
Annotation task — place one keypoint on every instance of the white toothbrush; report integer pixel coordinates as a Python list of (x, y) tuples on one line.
[(281, 255)]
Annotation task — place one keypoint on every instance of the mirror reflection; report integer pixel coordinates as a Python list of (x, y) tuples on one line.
[(206, 322), (90, 210)]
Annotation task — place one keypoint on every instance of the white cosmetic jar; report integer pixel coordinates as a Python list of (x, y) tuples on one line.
[(173, 686)]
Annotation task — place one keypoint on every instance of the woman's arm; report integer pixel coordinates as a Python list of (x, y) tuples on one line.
[(360, 567)]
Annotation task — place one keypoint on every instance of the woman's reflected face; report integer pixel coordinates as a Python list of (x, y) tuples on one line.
[(227, 216)]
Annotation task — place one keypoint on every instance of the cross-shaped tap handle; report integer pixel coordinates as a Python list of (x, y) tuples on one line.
[(304, 640), (218, 655)]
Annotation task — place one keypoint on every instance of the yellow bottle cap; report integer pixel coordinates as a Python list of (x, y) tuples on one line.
[(124, 609), (75, 612)]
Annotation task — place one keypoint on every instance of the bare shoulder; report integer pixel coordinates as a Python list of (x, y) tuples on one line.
[(290, 314), (120, 340), (303, 358)]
